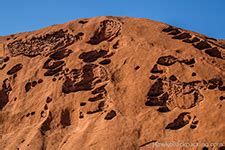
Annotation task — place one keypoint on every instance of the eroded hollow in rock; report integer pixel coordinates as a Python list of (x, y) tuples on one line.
[(105, 62), (191, 40), (110, 115), (182, 36), (92, 56), (43, 44), (156, 89), (53, 71), (163, 109), (214, 83), (155, 70), (86, 82), (96, 98), (188, 61), (4, 93), (173, 78), (6, 59), (167, 60), (52, 64), (46, 125), (83, 21), (202, 45), (168, 29), (182, 120), (82, 104), (28, 86), (15, 69), (60, 54), (153, 77), (157, 101), (2, 67), (175, 31), (100, 89), (65, 118), (214, 52), (108, 30)]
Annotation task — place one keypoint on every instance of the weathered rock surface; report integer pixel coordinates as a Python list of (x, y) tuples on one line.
[(111, 83)]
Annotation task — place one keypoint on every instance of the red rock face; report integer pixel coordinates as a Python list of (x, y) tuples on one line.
[(111, 83)]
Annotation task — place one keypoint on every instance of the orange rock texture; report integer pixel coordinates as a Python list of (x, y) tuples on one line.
[(109, 83)]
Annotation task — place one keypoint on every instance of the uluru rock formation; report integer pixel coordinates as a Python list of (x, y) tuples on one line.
[(111, 83)]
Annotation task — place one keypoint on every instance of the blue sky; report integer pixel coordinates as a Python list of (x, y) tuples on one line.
[(203, 16)]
